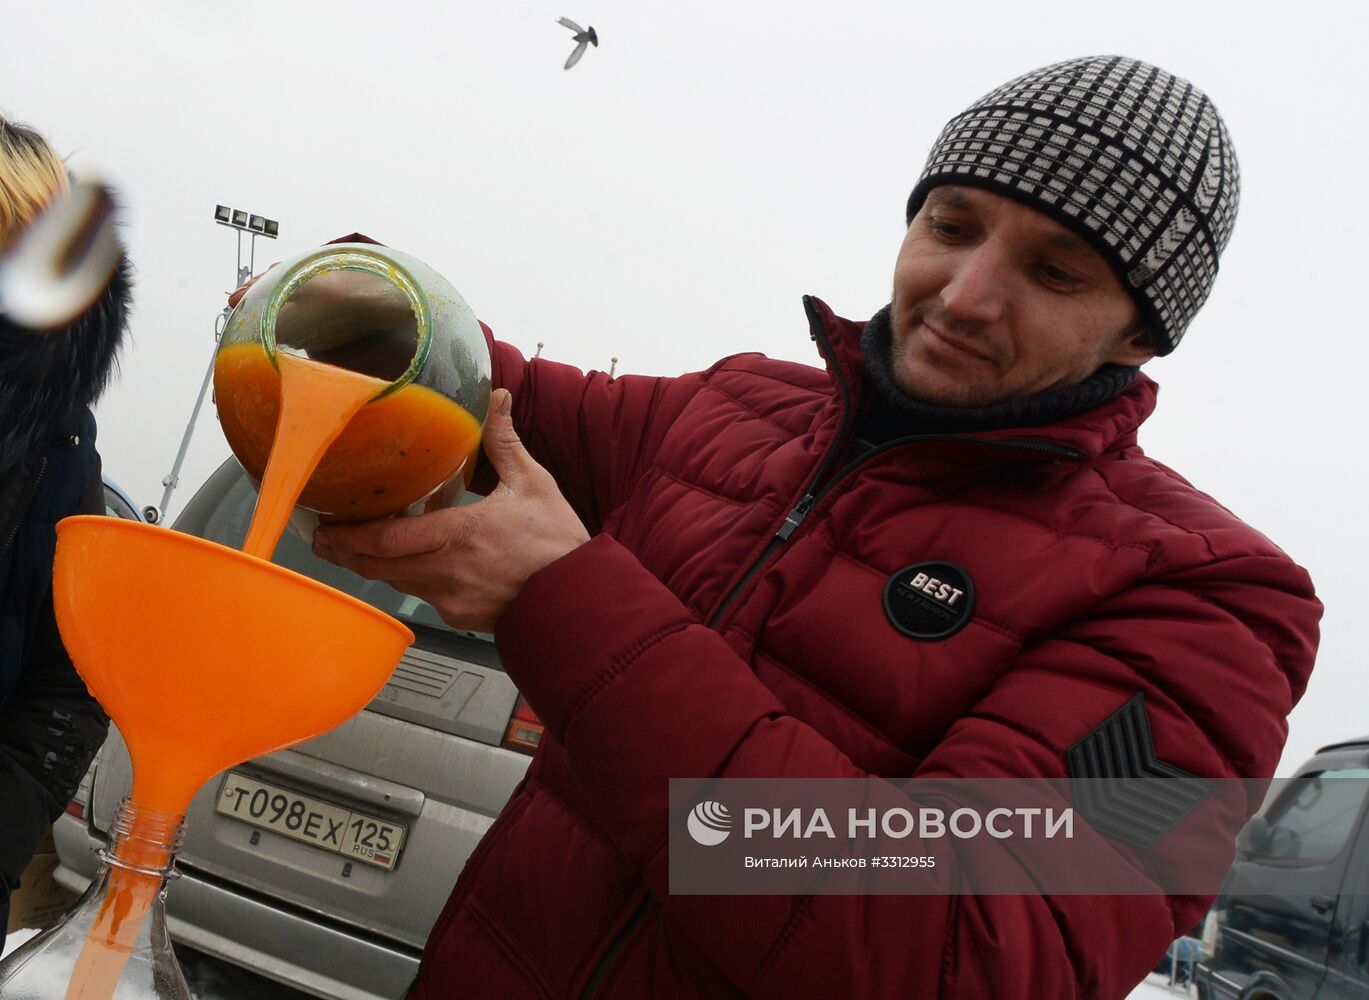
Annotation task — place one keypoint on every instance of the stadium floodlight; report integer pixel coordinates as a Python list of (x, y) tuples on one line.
[(254, 226), (248, 222)]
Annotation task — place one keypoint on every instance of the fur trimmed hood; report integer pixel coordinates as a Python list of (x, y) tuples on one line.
[(48, 379)]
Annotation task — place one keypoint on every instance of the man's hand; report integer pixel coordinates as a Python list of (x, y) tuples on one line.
[(235, 296), (468, 562)]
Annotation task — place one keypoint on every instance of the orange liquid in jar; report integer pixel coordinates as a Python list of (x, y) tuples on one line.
[(394, 452), (310, 436)]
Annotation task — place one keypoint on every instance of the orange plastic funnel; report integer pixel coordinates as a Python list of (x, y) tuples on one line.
[(205, 657)]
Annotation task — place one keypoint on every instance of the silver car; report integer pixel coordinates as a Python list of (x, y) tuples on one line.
[(325, 865), (118, 503)]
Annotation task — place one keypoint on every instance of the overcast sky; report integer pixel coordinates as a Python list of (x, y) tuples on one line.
[(670, 199)]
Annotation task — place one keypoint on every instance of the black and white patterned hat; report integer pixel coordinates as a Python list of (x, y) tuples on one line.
[(1134, 159)]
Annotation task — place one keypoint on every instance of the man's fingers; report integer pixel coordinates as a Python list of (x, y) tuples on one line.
[(370, 567), (235, 296), (504, 448), (426, 570), (392, 537)]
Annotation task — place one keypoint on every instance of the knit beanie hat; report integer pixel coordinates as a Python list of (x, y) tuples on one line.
[(1130, 157)]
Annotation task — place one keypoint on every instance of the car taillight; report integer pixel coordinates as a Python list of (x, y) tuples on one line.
[(525, 728), (81, 800)]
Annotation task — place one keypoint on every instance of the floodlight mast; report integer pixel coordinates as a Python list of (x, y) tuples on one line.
[(240, 221)]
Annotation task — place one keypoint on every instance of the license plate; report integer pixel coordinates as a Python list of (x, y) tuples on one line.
[(321, 824)]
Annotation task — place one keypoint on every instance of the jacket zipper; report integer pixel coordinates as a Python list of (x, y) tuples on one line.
[(817, 490), (814, 493), (593, 983), (23, 511), (795, 518), (811, 493)]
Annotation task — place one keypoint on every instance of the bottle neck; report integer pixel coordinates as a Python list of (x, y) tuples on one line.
[(145, 841)]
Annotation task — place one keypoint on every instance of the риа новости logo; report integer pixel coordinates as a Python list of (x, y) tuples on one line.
[(709, 823)]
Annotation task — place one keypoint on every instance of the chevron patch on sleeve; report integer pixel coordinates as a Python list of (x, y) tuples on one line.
[(1122, 788)]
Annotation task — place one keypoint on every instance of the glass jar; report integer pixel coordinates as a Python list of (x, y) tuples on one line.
[(386, 316), (112, 944)]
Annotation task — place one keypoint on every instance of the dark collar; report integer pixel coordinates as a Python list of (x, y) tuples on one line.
[(929, 418), (1109, 426)]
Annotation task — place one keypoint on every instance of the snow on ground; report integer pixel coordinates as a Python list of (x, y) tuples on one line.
[(16, 939), (208, 978), (1157, 988)]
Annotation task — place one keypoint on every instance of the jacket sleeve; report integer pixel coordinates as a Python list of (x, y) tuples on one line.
[(50, 730), (637, 678), (593, 433)]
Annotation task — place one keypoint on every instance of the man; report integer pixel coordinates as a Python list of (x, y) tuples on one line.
[(710, 598), (50, 726)]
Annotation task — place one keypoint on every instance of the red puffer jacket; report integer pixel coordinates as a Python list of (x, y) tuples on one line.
[(727, 620)]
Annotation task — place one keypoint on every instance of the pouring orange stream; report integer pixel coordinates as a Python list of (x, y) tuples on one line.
[(316, 403)]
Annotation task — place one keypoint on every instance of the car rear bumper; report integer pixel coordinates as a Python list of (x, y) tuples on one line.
[(326, 960)]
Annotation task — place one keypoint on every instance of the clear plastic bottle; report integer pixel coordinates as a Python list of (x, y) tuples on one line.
[(113, 944)]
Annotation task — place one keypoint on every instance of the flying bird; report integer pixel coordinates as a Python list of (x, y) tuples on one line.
[(583, 37)]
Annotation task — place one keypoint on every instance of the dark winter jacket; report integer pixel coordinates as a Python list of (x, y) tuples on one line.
[(50, 726), (727, 621)]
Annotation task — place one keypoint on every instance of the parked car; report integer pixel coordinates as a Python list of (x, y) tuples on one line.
[(419, 775), (118, 503), (1292, 919)]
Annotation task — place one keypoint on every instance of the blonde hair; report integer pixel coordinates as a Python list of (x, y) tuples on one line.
[(31, 175)]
